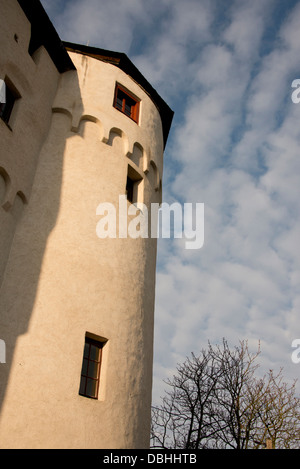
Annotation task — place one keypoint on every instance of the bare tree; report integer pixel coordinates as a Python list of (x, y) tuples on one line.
[(278, 413), (216, 401), (185, 418)]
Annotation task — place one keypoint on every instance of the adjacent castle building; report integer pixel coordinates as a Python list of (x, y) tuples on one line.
[(79, 126)]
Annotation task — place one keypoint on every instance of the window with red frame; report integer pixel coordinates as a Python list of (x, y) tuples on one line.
[(126, 103)]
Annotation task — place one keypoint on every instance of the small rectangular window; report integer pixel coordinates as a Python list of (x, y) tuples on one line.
[(10, 97), (126, 103), (129, 189), (132, 185), (91, 365)]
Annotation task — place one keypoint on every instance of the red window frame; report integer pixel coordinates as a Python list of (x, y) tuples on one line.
[(126, 103)]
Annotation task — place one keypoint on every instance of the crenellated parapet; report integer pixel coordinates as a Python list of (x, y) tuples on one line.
[(9, 192), (139, 157)]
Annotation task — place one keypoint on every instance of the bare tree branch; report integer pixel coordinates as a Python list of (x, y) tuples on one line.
[(216, 401)]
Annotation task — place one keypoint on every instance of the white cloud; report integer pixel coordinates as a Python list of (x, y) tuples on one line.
[(248, 270), (109, 25), (247, 25), (169, 60), (234, 145)]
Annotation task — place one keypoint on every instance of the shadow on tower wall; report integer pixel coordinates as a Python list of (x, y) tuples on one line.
[(21, 277)]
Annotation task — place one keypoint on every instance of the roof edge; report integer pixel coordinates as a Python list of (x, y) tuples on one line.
[(121, 60), (44, 34)]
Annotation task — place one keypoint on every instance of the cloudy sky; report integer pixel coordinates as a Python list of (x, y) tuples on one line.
[(226, 68)]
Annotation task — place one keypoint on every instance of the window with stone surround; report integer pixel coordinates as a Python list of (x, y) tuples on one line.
[(10, 96), (91, 367), (125, 102)]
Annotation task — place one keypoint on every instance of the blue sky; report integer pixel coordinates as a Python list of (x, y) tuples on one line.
[(226, 69)]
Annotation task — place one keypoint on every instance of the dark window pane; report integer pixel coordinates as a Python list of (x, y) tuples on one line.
[(7, 107), (84, 367), (127, 109), (119, 103), (91, 388), (86, 350), (90, 371), (93, 370), (129, 189), (82, 385), (94, 352)]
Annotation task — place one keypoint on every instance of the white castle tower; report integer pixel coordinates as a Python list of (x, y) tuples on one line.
[(80, 127)]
